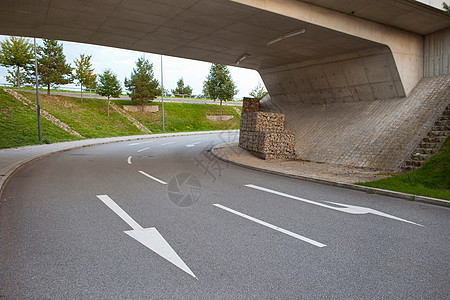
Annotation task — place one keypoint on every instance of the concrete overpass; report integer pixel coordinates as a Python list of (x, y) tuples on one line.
[(310, 52)]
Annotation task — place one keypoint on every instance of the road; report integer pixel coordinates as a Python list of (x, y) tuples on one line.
[(163, 219)]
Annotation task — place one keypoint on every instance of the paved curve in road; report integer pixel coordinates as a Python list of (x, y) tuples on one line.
[(162, 218)]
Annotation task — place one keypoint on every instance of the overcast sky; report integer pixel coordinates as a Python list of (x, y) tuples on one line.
[(122, 63)]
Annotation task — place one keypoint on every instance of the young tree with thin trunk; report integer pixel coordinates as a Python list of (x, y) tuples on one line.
[(181, 89), (52, 67), (258, 92), (17, 52), (109, 86), (142, 85), (84, 73), (219, 85)]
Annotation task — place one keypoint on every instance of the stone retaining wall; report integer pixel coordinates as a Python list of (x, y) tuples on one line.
[(136, 108), (263, 133)]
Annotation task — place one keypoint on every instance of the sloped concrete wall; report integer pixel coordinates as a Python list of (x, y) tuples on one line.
[(363, 76), (380, 134)]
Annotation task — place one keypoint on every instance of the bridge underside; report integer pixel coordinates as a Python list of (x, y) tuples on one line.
[(350, 51)]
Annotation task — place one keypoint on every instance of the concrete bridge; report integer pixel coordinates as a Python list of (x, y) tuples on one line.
[(360, 82)]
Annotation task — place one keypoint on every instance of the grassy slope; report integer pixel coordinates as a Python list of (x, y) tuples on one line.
[(90, 119), (431, 180), (185, 117), (18, 125)]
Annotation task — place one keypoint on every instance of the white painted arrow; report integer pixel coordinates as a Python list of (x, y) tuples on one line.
[(149, 237), (193, 144), (350, 209)]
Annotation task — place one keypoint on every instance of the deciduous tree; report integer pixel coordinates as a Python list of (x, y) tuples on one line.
[(52, 67), (16, 52), (84, 73), (109, 86), (142, 85), (219, 85)]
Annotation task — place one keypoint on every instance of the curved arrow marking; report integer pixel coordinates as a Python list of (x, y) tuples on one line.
[(350, 209), (149, 237)]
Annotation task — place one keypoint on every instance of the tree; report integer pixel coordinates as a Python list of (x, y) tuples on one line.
[(84, 73), (109, 86), (446, 7), (12, 78), (16, 52), (142, 85), (181, 89), (219, 84), (52, 67), (258, 92)]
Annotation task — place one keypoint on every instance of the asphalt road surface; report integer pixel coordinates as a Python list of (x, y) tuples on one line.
[(163, 219)]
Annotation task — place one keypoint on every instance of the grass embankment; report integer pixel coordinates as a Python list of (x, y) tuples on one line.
[(18, 125), (90, 119), (185, 117), (431, 180)]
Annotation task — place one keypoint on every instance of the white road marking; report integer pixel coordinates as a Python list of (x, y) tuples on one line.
[(290, 233), (169, 143), (143, 149), (193, 144), (149, 237), (140, 143), (199, 139), (129, 160), (350, 209), (151, 177), (119, 211)]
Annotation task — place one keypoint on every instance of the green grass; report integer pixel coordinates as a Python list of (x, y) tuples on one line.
[(431, 180), (182, 117), (90, 119), (18, 125)]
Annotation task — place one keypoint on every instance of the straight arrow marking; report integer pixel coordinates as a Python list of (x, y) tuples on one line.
[(350, 209), (290, 233), (149, 237), (119, 211)]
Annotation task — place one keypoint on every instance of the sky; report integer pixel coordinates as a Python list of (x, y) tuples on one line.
[(122, 62)]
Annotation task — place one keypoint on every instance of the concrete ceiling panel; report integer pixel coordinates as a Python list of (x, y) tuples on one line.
[(151, 7), (138, 16), (57, 32), (409, 13), (86, 6), (91, 21), (127, 28), (195, 53), (226, 9)]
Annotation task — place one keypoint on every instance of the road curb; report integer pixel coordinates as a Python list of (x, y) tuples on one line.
[(368, 190), (5, 177)]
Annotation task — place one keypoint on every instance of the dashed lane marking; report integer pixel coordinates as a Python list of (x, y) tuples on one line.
[(152, 177)]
